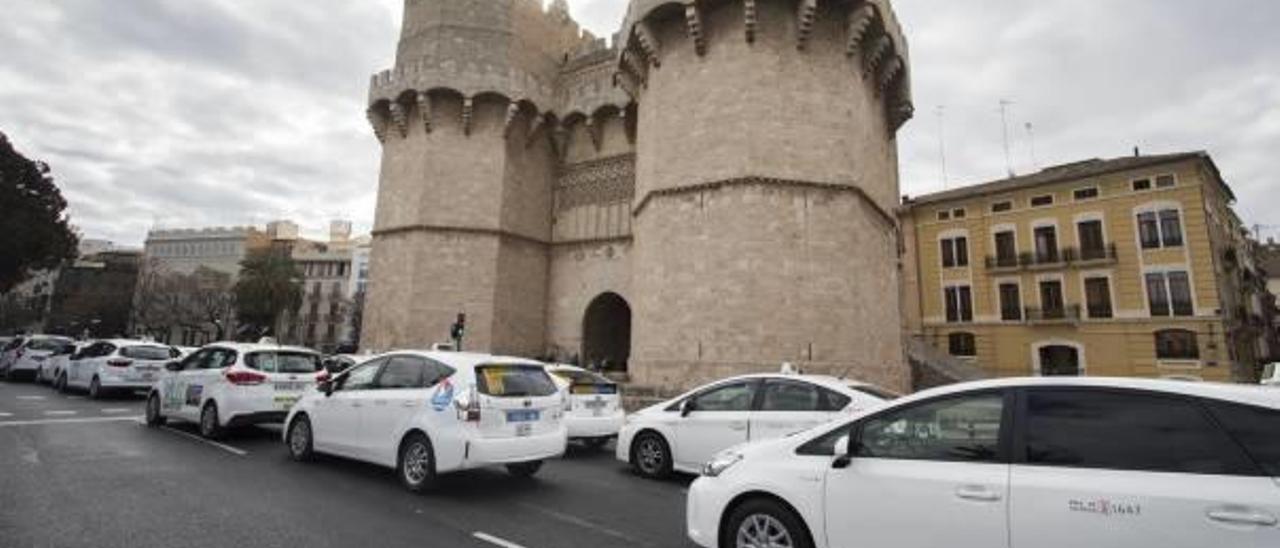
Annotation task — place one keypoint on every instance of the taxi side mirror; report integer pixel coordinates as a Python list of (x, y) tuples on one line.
[(844, 452), (173, 366), (326, 386)]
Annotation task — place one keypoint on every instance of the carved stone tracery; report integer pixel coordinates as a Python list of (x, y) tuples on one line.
[(604, 181)]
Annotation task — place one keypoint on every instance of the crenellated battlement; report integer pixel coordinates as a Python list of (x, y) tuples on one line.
[(871, 35)]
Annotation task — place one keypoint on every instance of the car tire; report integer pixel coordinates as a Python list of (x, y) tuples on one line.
[(154, 418), (524, 470), (765, 522), (95, 389), (416, 464), (300, 439), (209, 427), (651, 455)]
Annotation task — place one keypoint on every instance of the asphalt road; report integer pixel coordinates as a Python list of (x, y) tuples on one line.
[(76, 472)]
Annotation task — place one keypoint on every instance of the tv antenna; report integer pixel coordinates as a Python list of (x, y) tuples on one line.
[(1004, 128)]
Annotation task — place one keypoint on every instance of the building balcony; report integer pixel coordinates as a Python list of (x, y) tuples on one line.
[(1064, 314), (1057, 258)]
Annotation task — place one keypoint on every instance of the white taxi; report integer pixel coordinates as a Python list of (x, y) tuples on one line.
[(1022, 463), (593, 408), (426, 413), (234, 384), (26, 355), (116, 365), (682, 433)]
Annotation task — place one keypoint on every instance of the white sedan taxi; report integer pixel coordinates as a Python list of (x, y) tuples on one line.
[(593, 412), (426, 413), (114, 365), (234, 384), (682, 433), (1020, 463)]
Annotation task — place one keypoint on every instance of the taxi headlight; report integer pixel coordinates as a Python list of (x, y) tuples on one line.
[(721, 462)]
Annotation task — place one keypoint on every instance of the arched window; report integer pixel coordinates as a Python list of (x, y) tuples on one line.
[(1177, 344), (962, 344)]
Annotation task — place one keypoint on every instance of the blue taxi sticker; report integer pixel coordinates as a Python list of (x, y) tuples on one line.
[(443, 396)]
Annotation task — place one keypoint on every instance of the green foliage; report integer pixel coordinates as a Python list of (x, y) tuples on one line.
[(36, 235), (270, 283)]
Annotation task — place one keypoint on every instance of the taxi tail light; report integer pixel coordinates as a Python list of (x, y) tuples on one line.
[(322, 376), (245, 378), (118, 362), (471, 413)]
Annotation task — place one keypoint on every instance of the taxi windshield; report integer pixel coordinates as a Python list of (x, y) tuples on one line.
[(283, 362), (53, 345), (514, 381)]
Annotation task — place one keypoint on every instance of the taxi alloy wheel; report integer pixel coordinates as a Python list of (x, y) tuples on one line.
[(209, 427), (650, 456), (300, 442), (417, 463), (153, 411), (765, 524)]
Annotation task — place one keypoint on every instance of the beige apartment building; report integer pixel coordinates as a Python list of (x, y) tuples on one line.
[(1124, 267)]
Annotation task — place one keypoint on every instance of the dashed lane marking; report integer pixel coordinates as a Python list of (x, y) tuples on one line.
[(31, 398), (116, 410), (6, 415), (233, 450), (495, 540), (59, 413), (66, 421)]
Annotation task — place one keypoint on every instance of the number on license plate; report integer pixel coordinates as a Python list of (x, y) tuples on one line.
[(522, 415)]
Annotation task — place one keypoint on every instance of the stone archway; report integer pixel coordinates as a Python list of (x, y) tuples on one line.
[(606, 332)]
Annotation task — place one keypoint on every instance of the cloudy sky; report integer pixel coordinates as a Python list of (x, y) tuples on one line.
[(212, 112)]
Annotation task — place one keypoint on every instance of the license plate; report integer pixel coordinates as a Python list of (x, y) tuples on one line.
[(595, 404), (290, 386), (284, 403), (524, 429), (523, 415)]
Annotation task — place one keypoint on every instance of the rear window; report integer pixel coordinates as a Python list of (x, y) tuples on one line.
[(876, 392), (147, 352), (49, 344), (514, 381), (586, 382), (283, 362)]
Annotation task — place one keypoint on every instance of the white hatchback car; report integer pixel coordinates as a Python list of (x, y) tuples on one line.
[(593, 414), (1021, 463), (682, 433), (234, 384), (428, 413), (116, 365), (53, 367), (28, 356)]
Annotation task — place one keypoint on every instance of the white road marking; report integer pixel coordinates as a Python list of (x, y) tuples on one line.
[(6, 414), (31, 397), (59, 413), (495, 540), (116, 410), (575, 520), (66, 421), (222, 446)]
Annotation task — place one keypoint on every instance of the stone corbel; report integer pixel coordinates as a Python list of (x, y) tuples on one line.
[(560, 141), (513, 113), (400, 118), (901, 112), (596, 131), (749, 19), (468, 106), (860, 21), (877, 52), (693, 19), (424, 110), (887, 73), (625, 80), (534, 128), (378, 123), (633, 65), (805, 13), (649, 43)]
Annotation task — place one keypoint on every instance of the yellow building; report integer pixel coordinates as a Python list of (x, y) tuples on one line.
[(1122, 267)]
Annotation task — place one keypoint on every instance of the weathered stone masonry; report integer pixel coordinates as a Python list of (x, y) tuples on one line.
[(727, 168)]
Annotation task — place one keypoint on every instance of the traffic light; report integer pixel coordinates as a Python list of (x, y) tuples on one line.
[(459, 329)]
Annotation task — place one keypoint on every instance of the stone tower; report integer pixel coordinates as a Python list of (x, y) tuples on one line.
[(711, 194), (464, 195), (766, 180)]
